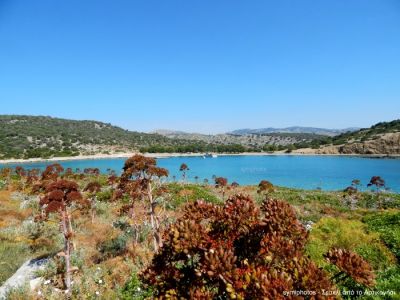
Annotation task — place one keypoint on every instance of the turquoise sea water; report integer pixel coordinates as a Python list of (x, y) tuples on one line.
[(307, 172)]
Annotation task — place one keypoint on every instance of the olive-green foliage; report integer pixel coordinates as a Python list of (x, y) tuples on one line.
[(298, 196), (115, 246), (387, 281), (20, 253), (370, 199), (311, 205), (2, 184), (353, 235), (387, 224), (348, 234), (24, 243), (134, 290), (198, 146), (182, 193), (104, 196), (359, 135), (41, 136), (18, 293)]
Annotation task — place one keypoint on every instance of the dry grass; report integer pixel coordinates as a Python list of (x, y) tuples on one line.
[(10, 212)]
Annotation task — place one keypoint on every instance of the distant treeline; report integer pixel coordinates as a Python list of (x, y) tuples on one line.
[(198, 148)]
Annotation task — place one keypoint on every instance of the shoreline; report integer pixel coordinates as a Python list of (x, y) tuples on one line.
[(169, 155)]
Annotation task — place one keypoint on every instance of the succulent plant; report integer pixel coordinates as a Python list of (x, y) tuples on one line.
[(240, 251)]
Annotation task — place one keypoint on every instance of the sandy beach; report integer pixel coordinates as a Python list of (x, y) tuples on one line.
[(167, 155)]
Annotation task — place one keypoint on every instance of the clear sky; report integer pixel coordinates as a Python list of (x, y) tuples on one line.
[(204, 66)]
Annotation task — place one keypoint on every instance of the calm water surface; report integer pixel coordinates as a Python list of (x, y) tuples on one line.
[(307, 172)]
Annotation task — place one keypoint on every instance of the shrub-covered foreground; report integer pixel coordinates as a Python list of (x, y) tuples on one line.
[(239, 251), (335, 243)]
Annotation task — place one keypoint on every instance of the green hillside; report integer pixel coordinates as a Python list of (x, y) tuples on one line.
[(40, 136), (365, 134), (361, 135), (43, 136)]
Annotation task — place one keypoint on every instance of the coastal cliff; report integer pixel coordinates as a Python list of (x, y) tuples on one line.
[(388, 143)]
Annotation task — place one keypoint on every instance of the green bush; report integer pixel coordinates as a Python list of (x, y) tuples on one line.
[(104, 196), (134, 290), (20, 253), (387, 224), (353, 235), (113, 247), (348, 234), (182, 193), (387, 282)]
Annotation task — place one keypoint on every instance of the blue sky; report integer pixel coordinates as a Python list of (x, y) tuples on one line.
[(205, 66)]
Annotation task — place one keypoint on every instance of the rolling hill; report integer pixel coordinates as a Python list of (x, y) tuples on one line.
[(381, 138), (44, 137)]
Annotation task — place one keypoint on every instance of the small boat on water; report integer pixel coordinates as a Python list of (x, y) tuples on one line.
[(212, 155)]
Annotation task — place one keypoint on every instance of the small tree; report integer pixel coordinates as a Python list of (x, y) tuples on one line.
[(183, 168), (379, 184), (22, 174), (5, 174), (92, 188), (92, 171), (139, 180), (112, 180), (221, 183), (52, 172), (351, 194), (60, 196), (49, 175), (356, 183), (32, 177), (68, 173), (234, 185), (265, 188)]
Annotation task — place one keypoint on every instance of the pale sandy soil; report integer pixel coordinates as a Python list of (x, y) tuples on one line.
[(298, 152)]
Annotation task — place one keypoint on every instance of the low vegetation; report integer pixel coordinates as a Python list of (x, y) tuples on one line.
[(143, 235), (360, 135)]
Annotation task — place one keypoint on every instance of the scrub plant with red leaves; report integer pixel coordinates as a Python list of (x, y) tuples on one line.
[(52, 172), (48, 176), (379, 184), (92, 188), (62, 195), (221, 184), (184, 168), (32, 177), (351, 265), (236, 251), (141, 180), (351, 194), (265, 188)]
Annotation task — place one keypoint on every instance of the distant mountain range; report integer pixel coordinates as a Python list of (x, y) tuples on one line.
[(295, 129), (246, 131)]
